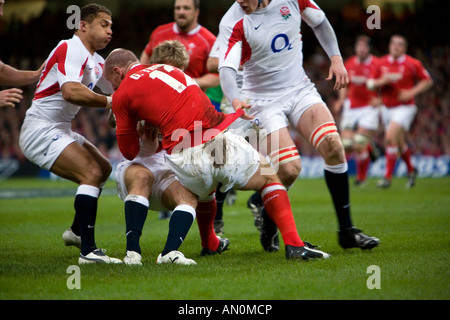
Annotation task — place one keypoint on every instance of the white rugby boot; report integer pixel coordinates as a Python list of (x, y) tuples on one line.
[(97, 256), (132, 258), (71, 239), (175, 257)]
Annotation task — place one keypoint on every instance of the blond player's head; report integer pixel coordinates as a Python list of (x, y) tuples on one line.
[(171, 52)]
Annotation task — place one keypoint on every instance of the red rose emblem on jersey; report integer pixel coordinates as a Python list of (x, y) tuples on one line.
[(285, 12), (97, 72)]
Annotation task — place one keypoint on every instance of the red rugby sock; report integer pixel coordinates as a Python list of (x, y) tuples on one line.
[(206, 212), (278, 208)]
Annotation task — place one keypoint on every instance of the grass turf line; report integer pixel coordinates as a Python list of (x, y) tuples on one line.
[(413, 226)]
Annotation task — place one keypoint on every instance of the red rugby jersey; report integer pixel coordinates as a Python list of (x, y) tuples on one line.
[(170, 100), (359, 72), (405, 73), (198, 43)]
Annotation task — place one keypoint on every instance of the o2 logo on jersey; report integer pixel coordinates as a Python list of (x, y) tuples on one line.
[(280, 42)]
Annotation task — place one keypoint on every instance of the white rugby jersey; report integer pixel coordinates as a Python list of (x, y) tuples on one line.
[(70, 61), (268, 43)]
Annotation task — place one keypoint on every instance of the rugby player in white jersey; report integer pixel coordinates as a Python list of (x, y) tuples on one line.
[(264, 36), (71, 71)]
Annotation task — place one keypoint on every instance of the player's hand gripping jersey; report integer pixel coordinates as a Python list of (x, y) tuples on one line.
[(170, 100), (70, 61), (269, 44)]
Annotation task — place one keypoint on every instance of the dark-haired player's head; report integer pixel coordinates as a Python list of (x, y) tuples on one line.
[(95, 26)]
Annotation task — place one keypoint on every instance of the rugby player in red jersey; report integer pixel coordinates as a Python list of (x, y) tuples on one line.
[(200, 151), (401, 78), (359, 105)]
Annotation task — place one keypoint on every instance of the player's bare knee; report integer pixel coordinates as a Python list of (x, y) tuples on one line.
[(94, 174), (289, 172), (143, 178), (189, 199), (332, 150)]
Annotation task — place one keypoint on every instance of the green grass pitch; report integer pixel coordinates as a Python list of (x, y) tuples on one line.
[(412, 260)]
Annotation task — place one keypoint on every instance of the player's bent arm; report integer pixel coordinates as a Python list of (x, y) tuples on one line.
[(420, 87), (376, 83), (12, 77), (327, 38), (212, 64), (128, 144), (228, 83), (78, 94), (209, 80)]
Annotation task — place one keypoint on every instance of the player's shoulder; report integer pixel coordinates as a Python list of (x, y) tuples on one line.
[(163, 28), (98, 58), (375, 58), (232, 16), (350, 61), (411, 60), (384, 59), (204, 32), (68, 49)]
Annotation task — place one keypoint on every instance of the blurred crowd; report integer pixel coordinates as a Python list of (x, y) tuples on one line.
[(27, 45)]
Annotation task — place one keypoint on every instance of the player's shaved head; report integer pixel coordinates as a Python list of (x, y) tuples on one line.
[(121, 58)]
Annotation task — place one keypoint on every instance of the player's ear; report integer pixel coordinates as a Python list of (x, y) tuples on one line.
[(83, 26), (117, 70)]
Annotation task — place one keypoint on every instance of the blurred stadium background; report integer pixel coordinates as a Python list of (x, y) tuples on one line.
[(30, 29)]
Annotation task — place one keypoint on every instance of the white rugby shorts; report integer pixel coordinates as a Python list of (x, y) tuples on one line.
[(367, 117), (402, 114), (42, 142), (163, 178), (276, 114), (227, 158)]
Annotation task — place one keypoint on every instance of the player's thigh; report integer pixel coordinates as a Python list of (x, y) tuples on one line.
[(175, 194), (102, 161), (263, 176), (138, 180), (317, 125), (76, 163), (394, 133), (315, 116)]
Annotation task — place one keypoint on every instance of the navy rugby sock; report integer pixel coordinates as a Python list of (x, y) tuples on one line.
[(220, 200), (256, 199), (136, 210), (85, 205), (338, 186), (179, 225)]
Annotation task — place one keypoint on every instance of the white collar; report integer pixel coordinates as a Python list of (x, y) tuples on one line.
[(190, 33), (367, 61), (401, 59)]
